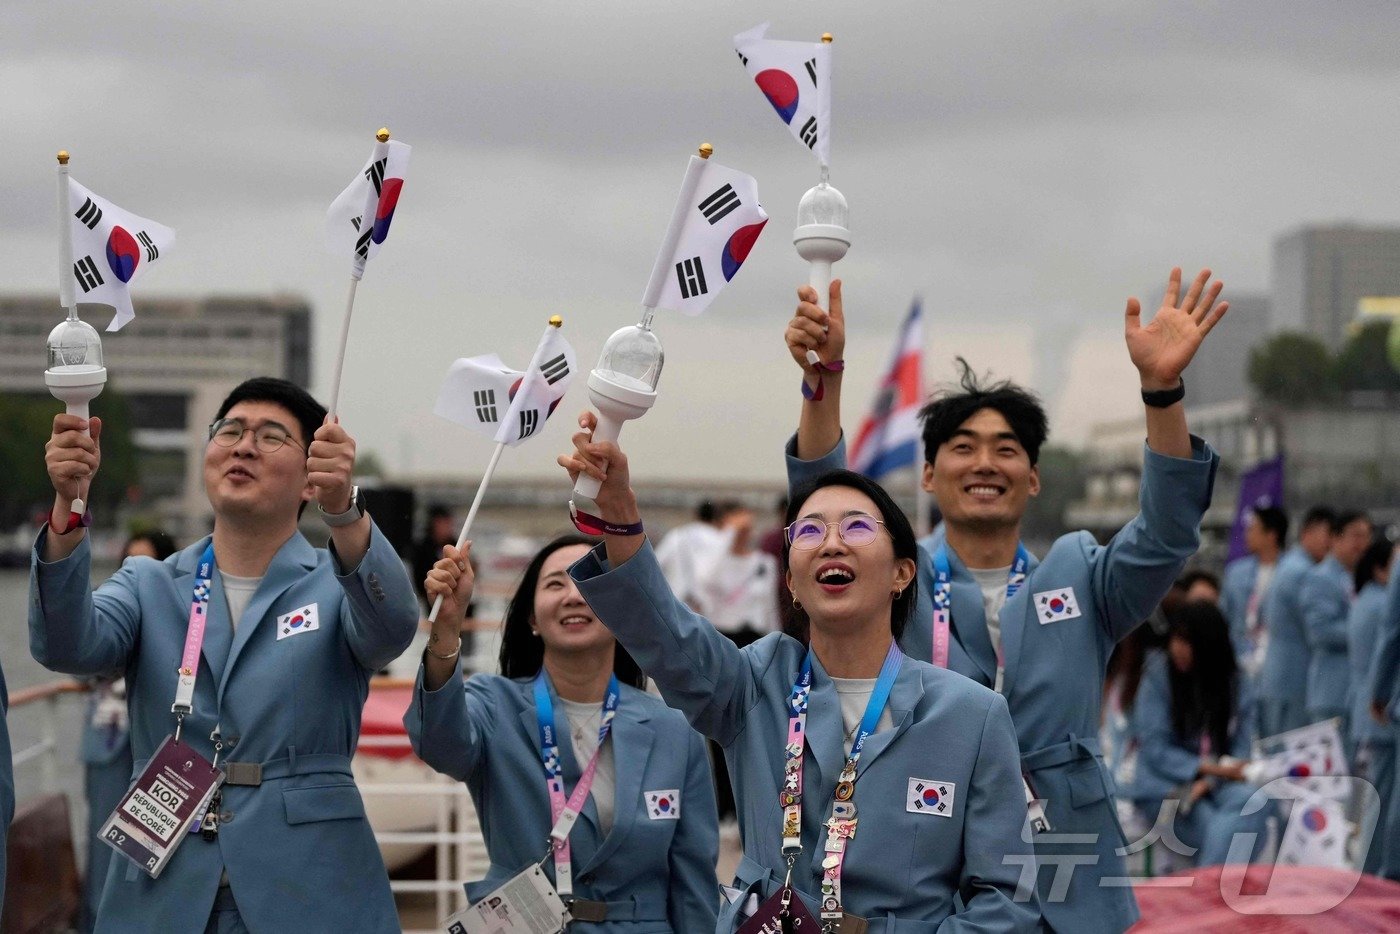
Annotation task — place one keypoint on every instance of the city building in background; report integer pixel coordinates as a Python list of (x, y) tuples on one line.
[(1321, 275), (173, 365)]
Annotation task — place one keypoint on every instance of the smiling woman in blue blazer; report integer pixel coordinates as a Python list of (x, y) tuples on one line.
[(935, 793), (642, 854)]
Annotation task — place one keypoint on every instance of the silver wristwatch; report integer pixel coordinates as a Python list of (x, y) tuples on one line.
[(352, 515)]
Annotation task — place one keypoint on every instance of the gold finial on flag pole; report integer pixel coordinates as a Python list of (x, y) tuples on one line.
[(706, 150), (826, 37), (63, 157), (383, 134), (555, 321)]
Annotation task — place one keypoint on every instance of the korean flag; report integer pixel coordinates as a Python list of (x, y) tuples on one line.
[(297, 622), (1051, 606), (927, 796), (664, 804), (111, 248)]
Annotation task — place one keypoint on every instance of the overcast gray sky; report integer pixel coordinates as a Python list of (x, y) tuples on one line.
[(1023, 166)]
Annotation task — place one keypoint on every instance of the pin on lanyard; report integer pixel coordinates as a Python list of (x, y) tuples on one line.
[(842, 825), (194, 639), (943, 603), (565, 812)]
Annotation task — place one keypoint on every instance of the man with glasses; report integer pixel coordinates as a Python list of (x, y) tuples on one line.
[(291, 636), (1038, 631)]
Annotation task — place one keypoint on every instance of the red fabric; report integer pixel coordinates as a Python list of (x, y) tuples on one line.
[(1287, 899), (383, 716)]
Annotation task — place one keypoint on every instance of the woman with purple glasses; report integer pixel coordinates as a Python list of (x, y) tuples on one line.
[(875, 792)]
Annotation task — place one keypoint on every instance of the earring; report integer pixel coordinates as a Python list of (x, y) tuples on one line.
[(899, 591), (795, 604), (535, 633)]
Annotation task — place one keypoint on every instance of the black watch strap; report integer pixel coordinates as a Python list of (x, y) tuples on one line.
[(1163, 398)]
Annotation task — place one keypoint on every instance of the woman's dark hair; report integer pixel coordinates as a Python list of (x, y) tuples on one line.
[(905, 546), (1022, 410), (161, 543), (1204, 699), (522, 652), (1125, 666), (1376, 556)]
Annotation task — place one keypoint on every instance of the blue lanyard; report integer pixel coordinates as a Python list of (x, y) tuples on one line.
[(943, 589), (564, 812)]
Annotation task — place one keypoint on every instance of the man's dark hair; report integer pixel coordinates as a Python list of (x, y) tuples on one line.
[(896, 523), (522, 653), (1273, 520), (943, 416), (308, 412), (1346, 518), (1318, 514), (707, 512), (304, 408), (1374, 558)]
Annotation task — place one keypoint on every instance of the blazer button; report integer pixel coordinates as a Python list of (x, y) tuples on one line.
[(231, 742), (225, 817)]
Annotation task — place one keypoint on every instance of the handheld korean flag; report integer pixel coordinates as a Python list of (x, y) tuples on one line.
[(795, 77), (357, 224), (507, 405), (106, 249), (716, 221)]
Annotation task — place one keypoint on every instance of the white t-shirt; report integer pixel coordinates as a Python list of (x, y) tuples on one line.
[(584, 720), (992, 583), (238, 591), (855, 696), (683, 551)]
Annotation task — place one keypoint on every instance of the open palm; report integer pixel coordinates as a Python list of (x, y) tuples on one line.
[(1162, 348)]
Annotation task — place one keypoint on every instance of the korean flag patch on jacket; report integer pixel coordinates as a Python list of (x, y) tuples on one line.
[(1051, 606), (927, 796), (303, 619), (664, 804)]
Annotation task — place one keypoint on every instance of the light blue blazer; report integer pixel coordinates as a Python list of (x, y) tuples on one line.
[(1326, 604), (1235, 588), (655, 875), (298, 850), (1364, 629), (906, 871), (1167, 760), (1284, 676), (1054, 671), (1385, 669)]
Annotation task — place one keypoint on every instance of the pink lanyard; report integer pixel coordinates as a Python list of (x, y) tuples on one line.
[(943, 603), (564, 812)]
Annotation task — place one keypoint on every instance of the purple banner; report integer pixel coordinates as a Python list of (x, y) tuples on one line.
[(1261, 485)]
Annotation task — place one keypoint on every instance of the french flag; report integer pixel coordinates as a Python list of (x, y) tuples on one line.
[(890, 438)]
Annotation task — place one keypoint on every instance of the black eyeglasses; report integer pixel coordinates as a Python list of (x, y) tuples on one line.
[(269, 436), (856, 529)]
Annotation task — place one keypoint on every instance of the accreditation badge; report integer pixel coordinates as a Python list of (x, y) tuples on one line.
[(773, 917), (526, 904), (150, 820)]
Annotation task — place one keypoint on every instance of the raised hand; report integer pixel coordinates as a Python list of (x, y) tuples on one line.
[(330, 466), (811, 328), (605, 462), (71, 457), (1162, 348), (453, 579)]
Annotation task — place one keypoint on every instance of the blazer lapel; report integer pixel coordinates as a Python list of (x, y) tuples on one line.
[(632, 741), (293, 561), (970, 619), (1016, 615), (904, 699), (825, 735)]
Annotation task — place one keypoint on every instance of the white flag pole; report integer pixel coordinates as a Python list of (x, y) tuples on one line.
[(667, 254), (357, 270), (471, 514), (65, 241)]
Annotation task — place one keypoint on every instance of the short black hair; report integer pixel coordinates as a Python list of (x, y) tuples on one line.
[(1376, 556), (1274, 520), (1318, 514), (942, 417), (309, 413), (522, 652), (1346, 518), (159, 540), (905, 545), (706, 512)]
